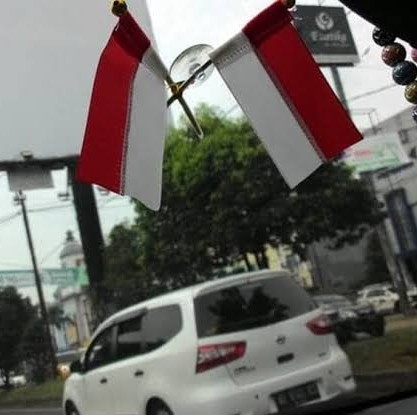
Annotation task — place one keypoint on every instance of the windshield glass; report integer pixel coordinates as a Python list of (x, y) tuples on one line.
[(242, 171)]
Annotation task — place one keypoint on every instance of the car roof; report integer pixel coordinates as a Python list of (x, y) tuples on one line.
[(184, 293), (330, 297)]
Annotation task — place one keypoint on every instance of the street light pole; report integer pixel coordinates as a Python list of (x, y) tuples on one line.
[(20, 198)]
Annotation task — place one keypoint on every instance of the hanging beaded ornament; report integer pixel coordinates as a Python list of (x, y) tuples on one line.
[(403, 72)]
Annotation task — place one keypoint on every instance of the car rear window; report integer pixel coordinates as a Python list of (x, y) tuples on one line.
[(376, 293), (250, 305)]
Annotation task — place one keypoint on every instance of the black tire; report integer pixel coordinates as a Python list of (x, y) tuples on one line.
[(378, 330), (71, 409), (157, 407)]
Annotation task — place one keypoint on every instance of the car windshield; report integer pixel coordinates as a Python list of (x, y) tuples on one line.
[(208, 207)]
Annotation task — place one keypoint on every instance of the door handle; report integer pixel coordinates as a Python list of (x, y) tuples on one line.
[(139, 373), (103, 381)]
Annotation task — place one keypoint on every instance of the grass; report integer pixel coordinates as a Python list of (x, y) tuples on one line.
[(399, 322), (397, 351), (50, 391)]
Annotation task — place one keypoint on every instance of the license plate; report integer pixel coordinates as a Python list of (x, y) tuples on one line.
[(297, 396)]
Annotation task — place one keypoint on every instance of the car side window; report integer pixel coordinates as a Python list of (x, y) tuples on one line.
[(376, 293), (160, 326), (100, 353), (129, 338), (148, 332)]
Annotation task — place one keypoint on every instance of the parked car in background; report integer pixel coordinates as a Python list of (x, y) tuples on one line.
[(349, 318), (254, 343), (18, 380), (383, 300), (388, 290)]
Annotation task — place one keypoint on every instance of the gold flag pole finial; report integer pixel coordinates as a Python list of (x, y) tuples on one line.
[(119, 7)]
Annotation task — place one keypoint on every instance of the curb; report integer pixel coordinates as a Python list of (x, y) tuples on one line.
[(31, 404), (377, 383)]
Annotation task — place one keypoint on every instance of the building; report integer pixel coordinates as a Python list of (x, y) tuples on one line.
[(396, 189), (73, 300), (72, 255), (76, 327)]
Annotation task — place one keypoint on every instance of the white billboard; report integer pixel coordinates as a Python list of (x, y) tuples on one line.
[(376, 152), (50, 50)]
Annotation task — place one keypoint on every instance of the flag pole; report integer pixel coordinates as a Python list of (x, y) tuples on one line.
[(183, 86), (177, 91), (119, 8)]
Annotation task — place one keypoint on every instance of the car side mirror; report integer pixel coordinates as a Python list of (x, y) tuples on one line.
[(76, 367)]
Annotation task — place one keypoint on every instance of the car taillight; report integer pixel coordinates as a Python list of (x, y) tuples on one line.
[(210, 356), (321, 325)]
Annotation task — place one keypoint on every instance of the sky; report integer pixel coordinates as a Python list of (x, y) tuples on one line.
[(50, 50)]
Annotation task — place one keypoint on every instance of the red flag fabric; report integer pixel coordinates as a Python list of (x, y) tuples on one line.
[(125, 132), (284, 94)]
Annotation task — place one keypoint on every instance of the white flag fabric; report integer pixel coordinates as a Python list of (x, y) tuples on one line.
[(286, 98)]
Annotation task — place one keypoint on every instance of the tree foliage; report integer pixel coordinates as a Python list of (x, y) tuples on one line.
[(125, 276), (34, 349), (15, 314), (223, 198)]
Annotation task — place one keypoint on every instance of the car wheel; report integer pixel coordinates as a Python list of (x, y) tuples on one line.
[(378, 331), (159, 408), (71, 409)]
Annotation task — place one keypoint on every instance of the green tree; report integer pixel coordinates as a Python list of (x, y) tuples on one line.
[(126, 279), (15, 314), (57, 317), (376, 267), (223, 198), (34, 349)]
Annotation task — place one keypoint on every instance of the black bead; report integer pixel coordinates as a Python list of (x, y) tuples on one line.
[(404, 73), (415, 114), (382, 38)]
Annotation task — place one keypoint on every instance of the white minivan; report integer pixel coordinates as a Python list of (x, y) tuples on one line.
[(250, 344)]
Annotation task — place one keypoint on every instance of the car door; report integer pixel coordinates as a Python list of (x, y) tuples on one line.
[(388, 300), (137, 342), (379, 300), (99, 364)]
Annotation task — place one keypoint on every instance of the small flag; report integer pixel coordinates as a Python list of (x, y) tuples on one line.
[(281, 89), (125, 134)]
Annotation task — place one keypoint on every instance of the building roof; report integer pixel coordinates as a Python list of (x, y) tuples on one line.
[(71, 247)]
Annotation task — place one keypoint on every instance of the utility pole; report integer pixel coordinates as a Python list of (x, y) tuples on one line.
[(339, 86), (390, 259), (91, 238), (20, 198)]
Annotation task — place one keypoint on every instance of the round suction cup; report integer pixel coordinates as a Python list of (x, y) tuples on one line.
[(189, 61)]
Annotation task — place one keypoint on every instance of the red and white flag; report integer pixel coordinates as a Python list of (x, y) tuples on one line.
[(125, 134), (281, 89)]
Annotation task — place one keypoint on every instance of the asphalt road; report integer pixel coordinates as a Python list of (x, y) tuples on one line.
[(44, 411), (406, 406)]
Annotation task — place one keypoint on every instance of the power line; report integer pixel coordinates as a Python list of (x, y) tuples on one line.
[(372, 92), (51, 252), (9, 218), (118, 206), (50, 208), (108, 201), (14, 264)]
